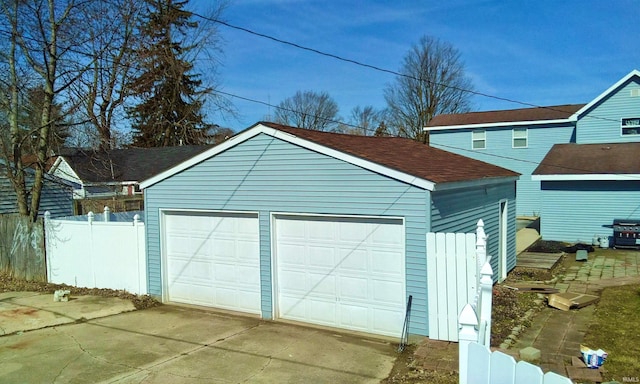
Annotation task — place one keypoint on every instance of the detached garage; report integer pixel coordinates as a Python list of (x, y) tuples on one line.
[(317, 227), (585, 187)]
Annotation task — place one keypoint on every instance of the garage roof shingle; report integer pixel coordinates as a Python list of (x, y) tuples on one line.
[(586, 159), (404, 155)]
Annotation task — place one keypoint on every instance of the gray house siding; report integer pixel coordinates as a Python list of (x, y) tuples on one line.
[(459, 210), (574, 211), (267, 175), (602, 122), (56, 197), (499, 151)]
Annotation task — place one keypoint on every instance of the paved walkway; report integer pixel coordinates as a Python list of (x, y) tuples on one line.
[(557, 334)]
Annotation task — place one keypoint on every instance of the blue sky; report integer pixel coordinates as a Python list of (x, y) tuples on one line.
[(538, 52)]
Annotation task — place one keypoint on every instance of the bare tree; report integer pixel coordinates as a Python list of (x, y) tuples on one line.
[(42, 36), (432, 81), (365, 120), (310, 110), (102, 91)]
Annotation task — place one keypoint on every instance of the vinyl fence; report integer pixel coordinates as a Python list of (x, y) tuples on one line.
[(486, 367), (97, 253), (455, 266)]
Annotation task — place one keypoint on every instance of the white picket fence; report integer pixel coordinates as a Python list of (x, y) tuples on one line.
[(486, 367), (458, 272), (477, 364), (96, 254)]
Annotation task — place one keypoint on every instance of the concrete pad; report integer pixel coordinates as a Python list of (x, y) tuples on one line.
[(525, 238), (26, 311), (171, 344)]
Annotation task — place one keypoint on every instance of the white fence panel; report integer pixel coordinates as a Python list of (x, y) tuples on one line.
[(451, 280), (486, 367), (97, 254)]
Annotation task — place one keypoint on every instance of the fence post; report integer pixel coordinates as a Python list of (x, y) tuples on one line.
[(486, 296), (90, 217), (481, 245), (468, 322), (107, 213)]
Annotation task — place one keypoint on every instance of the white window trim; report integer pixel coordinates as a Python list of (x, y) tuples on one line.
[(622, 127), (525, 137), (474, 140)]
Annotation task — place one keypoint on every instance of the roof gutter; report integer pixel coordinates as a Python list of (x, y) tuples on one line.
[(588, 177), (499, 125), (473, 183)]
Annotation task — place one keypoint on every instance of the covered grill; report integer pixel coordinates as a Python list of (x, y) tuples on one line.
[(626, 233)]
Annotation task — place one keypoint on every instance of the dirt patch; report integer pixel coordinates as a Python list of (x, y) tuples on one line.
[(11, 284), (547, 246), (407, 370)]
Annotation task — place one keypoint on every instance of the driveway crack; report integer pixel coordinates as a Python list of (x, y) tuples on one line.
[(88, 353)]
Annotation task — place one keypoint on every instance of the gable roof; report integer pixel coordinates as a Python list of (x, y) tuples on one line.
[(537, 115), (619, 161), (132, 164), (525, 116), (400, 158), (635, 73)]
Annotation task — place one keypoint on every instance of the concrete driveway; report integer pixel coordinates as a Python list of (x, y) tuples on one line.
[(173, 344)]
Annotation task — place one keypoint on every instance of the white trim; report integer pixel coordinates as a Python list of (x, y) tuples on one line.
[(473, 183), (514, 138), (497, 125), (503, 238), (162, 214), (474, 140), (259, 128), (604, 94), (622, 127), (56, 165), (588, 177)]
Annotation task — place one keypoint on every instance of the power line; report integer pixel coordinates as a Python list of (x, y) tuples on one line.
[(379, 69)]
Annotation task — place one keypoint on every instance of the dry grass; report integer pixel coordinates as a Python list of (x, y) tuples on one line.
[(11, 284), (616, 330)]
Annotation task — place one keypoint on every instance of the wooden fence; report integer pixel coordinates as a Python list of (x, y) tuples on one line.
[(458, 272), (22, 252)]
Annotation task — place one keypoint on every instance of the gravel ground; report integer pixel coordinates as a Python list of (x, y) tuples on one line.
[(10, 284)]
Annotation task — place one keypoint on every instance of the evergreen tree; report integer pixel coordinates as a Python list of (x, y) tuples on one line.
[(171, 96)]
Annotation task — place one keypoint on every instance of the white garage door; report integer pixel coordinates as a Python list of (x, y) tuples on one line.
[(341, 272), (213, 260)]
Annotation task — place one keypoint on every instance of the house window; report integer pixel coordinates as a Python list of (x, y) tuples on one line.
[(631, 126), (479, 139), (520, 137)]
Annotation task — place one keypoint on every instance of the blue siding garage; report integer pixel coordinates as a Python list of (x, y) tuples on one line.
[(575, 211), (327, 228), (585, 187)]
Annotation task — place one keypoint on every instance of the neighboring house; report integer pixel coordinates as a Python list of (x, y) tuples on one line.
[(318, 227), (520, 139), (586, 186), (116, 173), (56, 196)]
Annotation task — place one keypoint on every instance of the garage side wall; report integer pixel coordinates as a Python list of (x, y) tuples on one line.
[(459, 211), (574, 211), (267, 175)]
